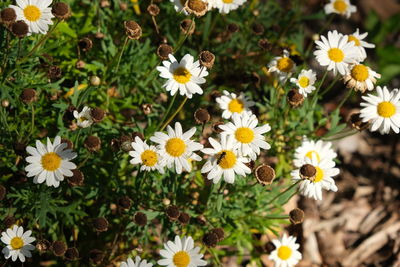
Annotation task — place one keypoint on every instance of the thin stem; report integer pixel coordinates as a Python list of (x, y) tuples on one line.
[(168, 110), (328, 23), (185, 37), (315, 97), (283, 192), (344, 100), (331, 85), (347, 134), (33, 118), (122, 51), (175, 113)]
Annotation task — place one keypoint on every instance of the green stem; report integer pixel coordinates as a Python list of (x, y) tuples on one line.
[(168, 110), (347, 134), (184, 37), (121, 53), (315, 97), (175, 113), (283, 192), (330, 86), (344, 100), (33, 118)]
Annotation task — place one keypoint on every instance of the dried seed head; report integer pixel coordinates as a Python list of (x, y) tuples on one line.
[(207, 59), (219, 232), (357, 123), (96, 256), (59, 248), (69, 143), (123, 6), (257, 28), (196, 7), (166, 201), (3, 192), (105, 3), (95, 80), (153, 10), (164, 50), (85, 44), (43, 245), (8, 16), (80, 64), (99, 35), (147, 108), (215, 127), (188, 26), (265, 174), (184, 218), (210, 239), (28, 95), (294, 98), (172, 212), (76, 179), (308, 171), (201, 116), (54, 72), (125, 202), (251, 164), (97, 114), (115, 144), (61, 10), (72, 254), (20, 28), (264, 44), (126, 146), (296, 216), (100, 224), (140, 218), (92, 143), (201, 220), (133, 30), (232, 28), (9, 221)]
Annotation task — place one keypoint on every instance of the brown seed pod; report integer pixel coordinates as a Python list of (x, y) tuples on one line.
[(184, 218), (69, 143), (100, 224), (85, 44), (76, 179), (54, 72), (172, 212), (188, 26), (153, 10), (215, 127), (9, 221), (140, 218), (164, 50), (207, 59), (257, 28), (96, 256), (92, 143), (72, 254), (19, 28), (296, 216), (28, 95), (147, 108), (97, 114), (219, 232), (265, 44), (196, 7), (8, 16), (232, 28), (125, 202), (201, 116), (294, 98), (43, 245), (210, 239), (265, 174), (80, 64), (308, 171), (59, 248), (61, 10), (133, 30)]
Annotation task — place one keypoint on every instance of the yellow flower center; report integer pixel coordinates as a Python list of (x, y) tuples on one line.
[(181, 259), (182, 75), (244, 135), (82, 119), (285, 64), (175, 147), (236, 105), (335, 54), (284, 252), (386, 109), (304, 81), (149, 158), (32, 13), (51, 161), (226, 159), (340, 6), (310, 153), (17, 242), (360, 73), (319, 175), (227, 1), (354, 39)]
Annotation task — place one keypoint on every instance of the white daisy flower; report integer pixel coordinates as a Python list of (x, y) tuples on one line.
[(360, 77), (184, 76), (176, 148), (358, 38), (179, 6), (226, 6), (284, 66), (83, 118), (286, 253), (138, 262), (342, 7), (50, 163), (249, 138), (18, 243), (181, 253), (146, 155), (382, 110), (322, 150), (336, 52), (325, 170), (305, 81), (231, 103), (224, 161), (36, 13)]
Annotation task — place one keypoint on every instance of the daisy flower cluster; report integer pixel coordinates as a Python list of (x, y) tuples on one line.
[(223, 6)]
